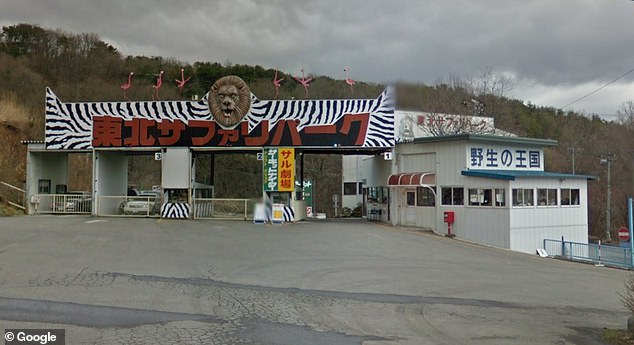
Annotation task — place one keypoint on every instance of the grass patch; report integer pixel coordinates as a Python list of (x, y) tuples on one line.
[(6, 210), (618, 337), (11, 111)]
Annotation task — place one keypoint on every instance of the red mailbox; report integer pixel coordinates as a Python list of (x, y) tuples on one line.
[(449, 217)]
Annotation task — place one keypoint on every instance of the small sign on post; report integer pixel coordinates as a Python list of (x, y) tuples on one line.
[(277, 214), (259, 213), (624, 234)]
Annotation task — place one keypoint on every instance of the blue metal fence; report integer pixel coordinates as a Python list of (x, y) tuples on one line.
[(590, 252)]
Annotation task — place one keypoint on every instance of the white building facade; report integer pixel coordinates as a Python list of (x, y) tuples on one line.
[(495, 186)]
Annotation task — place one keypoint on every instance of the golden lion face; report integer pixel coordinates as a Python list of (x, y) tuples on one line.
[(229, 100)]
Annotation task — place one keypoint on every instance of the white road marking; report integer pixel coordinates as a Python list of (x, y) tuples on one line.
[(95, 221)]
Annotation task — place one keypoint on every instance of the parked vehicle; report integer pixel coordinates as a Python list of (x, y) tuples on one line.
[(147, 203), (74, 202)]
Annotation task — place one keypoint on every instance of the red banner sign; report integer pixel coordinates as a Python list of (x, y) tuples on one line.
[(109, 131)]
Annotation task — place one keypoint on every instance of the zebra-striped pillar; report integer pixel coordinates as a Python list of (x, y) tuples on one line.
[(175, 210)]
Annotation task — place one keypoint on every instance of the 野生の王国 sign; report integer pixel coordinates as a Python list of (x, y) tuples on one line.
[(491, 157)]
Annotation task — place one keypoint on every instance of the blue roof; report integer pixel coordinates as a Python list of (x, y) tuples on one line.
[(512, 174)]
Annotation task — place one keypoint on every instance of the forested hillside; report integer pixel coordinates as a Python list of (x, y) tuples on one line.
[(81, 67)]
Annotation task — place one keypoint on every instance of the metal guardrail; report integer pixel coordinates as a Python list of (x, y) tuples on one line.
[(62, 203), (133, 206), (140, 206), (18, 195), (590, 252), (219, 208)]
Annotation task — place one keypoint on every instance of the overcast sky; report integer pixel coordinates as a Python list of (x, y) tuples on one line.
[(557, 50)]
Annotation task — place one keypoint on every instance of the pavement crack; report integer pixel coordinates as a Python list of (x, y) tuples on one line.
[(86, 315)]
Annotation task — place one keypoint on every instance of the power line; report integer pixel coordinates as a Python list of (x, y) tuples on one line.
[(598, 89)]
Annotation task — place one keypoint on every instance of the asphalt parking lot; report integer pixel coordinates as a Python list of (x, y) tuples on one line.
[(137, 281)]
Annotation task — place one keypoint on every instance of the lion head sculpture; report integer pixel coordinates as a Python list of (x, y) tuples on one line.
[(229, 100)]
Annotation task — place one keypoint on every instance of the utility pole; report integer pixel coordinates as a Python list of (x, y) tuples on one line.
[(574, 150), (633, 190), (607, 159)]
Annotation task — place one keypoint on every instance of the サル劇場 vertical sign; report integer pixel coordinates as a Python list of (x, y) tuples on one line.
[(278, 169)]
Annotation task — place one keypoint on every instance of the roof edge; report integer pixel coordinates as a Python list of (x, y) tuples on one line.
[(511, 175), (489, 138)]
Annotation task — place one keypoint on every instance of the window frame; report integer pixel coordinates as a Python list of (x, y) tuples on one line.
[(408, 193), (547, 197), (570, 197), (348, 186), (481, 193), (525, 192), (427, 195), (496, 193), (44, 186), (371, 195), (452, 196)]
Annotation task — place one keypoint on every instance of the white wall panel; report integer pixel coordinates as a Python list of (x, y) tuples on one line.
[(176, 165), (485, 225), (111, 179), (527, 240), (376, 170)]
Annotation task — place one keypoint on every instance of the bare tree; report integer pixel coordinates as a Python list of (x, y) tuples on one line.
[(625, 114), (488, 82), (489, 87)]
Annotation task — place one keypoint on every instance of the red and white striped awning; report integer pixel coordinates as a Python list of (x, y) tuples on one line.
[(412, 179)]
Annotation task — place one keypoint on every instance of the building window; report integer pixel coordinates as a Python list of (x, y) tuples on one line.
[(547, 197), (360, 189), (371, 194), (458, 196), (411, 198), (61, 189), (44, 186), (452, 195), (523, 197), (480, 197), (500, 197), (378, 194), (425, 196), (569, 197), (383, 193), (349, 188)]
